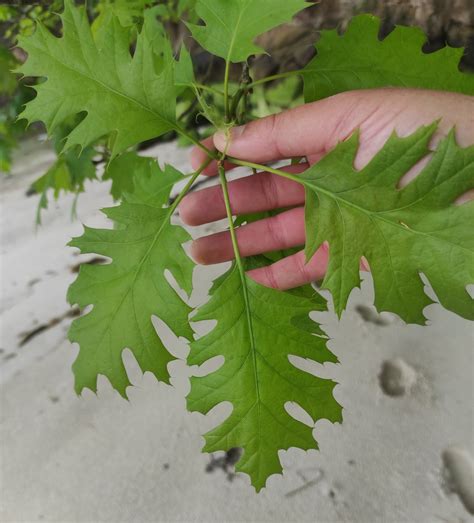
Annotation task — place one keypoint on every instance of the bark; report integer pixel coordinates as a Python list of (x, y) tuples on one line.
[(444, 21)]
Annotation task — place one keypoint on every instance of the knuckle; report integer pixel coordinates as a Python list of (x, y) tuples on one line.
[(269, 190), (347, 105), (273, 230), (272, 191), (302, 268), (275, 134), (270, 277), (187, 210)]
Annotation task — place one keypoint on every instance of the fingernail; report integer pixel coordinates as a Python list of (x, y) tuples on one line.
[(220, 138)]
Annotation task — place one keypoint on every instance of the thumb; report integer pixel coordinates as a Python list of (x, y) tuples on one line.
[(313, 129), (307, 130)]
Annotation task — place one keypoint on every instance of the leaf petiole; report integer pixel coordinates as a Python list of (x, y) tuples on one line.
[(278, 76), (195, 141), (235, 245), (226, 90), (208, 88), (186, 188), (258, 166)]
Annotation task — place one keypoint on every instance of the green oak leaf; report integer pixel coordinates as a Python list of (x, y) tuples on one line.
[(231, 26), (129, 98), (135, 175), (183, 6), (184, 71), (401, 232), (359, 60), (257, 329), (128, 12), (68, 173), (130, 290)]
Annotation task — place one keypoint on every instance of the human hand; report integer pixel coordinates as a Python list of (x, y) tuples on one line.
[(309, 131)]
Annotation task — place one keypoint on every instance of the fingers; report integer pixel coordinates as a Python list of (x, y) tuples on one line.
[(256, 193), (293, 271), (283, 231), (307, 130), (316, 128), (303, 131)]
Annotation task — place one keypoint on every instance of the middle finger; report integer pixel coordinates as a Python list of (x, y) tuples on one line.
[(283, 231)]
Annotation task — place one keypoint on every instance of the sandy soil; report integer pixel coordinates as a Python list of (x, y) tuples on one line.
[(403, 454)]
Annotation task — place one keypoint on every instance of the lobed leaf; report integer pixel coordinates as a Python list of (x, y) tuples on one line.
[(129, 98), (130, 290), (257, 329), (128, 12), (136, 176), (360, 60), (231, 26), (401, 232), (184, 71), (68, 173)]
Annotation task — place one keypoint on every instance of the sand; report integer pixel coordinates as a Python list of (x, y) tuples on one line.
[(403, 454)]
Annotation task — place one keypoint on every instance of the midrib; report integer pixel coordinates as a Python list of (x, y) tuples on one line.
[(135, 276), (253, 347), (234, 35), (109, 88), (378, 216)]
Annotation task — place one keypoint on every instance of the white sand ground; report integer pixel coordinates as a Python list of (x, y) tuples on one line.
[(403, 454)]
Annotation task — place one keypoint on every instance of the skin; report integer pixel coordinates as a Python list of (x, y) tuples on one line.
[(309, 131)]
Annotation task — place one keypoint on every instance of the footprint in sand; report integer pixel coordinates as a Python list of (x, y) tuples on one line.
[(396, 377), (458, 473)]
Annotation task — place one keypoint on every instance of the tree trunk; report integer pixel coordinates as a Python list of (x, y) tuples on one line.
[(444, 21)]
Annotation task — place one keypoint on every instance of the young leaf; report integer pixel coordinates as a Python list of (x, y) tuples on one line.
[(126, 293), (132, 99), (128, 12), (359, 60), (68, 174), (130, 172), (401, 232), (233, 25), (183, 6), (257, 329)]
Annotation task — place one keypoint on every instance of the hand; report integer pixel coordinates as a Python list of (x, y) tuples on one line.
[(309, 131)]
